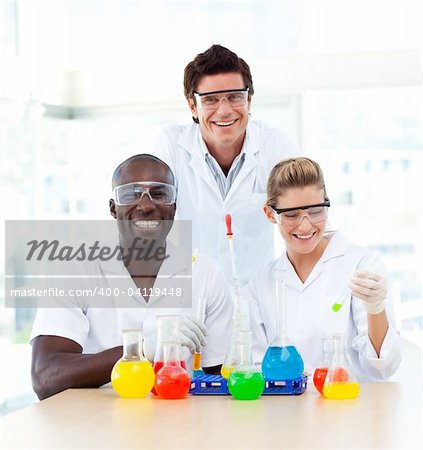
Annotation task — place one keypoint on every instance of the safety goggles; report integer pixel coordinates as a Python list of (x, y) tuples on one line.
[(132, 193), (213, 100), (294, 216)]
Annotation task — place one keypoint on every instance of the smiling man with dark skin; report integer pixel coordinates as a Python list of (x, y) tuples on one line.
[(76, 347)]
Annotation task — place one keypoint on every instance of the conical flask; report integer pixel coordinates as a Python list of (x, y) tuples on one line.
[(172, 380), (167, 327), (321, 371), (232, 356), (246, 382), (340, 381), (282, 360), (132, 376)]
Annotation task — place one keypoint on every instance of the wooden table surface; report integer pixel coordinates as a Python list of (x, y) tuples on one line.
[(386, 415)]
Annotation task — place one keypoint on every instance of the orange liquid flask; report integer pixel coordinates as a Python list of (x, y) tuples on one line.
[(132, 376), (340, 382), (172, 380)]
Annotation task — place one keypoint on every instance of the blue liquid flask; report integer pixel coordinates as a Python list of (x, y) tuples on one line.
[(282, 360)]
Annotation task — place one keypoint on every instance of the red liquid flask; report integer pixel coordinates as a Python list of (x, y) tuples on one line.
[(172, 380), (158, 365), (167, 328), (321, 371)]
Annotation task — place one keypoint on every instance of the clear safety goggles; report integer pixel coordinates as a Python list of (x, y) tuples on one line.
[(132, 193), (212, 100), (294, 216)]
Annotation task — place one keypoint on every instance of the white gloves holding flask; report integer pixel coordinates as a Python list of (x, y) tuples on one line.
[(371, 289)]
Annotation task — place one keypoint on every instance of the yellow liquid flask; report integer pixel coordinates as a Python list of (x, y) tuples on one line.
[(340, 382), (246, 382), (132, 376), (282, 360)]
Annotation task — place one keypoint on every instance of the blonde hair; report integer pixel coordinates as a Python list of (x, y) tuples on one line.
[(292, 173)]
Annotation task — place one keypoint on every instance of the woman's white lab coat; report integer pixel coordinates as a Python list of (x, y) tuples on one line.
[(200, 200), (309, 313)]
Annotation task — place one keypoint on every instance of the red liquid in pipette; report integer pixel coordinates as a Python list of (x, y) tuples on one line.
[(158, 365), (172, 382), (228, 220)]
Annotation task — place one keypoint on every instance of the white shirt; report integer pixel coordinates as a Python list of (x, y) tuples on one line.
[(200, 198), (309, 310), (99, 328)]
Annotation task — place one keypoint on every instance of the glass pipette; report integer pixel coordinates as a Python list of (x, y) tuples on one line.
[(232, 358), (347, 293)]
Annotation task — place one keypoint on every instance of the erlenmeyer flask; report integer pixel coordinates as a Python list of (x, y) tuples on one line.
[(132, 376), (340, 381), (172, 380), (232, 356), (282, 360), (321, 371), (167, 327), (246, 382)]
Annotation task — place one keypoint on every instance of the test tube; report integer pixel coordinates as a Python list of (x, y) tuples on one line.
[(201, 312), (347, 293)]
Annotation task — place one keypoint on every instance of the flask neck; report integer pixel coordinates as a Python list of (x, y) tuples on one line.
[(327, 351), (132, 345), (245, 357), (171, 354), (339, 347), (167, 327)]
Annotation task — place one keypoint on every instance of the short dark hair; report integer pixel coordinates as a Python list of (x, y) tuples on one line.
[(139, 157), (216, 59)]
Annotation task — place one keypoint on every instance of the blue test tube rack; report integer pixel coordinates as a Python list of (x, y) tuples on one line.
[(217, 385)]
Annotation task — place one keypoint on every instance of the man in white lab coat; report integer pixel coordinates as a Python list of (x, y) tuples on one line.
[(222, 160)]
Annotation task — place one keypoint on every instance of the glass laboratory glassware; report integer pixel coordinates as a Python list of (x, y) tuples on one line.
[(172, 380), (132, 375), (167, 327), (201, 312), (282, 360), (246, 382), (232, 356), (321, 371), (340, 381)]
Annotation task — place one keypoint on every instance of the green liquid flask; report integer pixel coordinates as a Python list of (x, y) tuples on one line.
[(282, 360), (246, 382), (340, 382)]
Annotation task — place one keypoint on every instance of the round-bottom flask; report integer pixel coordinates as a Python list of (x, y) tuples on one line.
[(340, 381), (282, 363), (172, 380), (167, 327), (246, 382), (132, 376)]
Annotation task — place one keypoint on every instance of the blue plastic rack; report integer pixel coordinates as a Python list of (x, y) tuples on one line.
[(217, 385)]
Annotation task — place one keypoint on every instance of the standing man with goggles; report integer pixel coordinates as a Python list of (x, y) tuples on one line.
[(76, 344), (222, 160)]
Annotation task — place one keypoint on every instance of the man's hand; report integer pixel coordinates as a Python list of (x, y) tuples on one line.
[(371, 289)]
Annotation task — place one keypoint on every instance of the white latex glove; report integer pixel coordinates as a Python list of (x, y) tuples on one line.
[(191, 334), (371, 289)]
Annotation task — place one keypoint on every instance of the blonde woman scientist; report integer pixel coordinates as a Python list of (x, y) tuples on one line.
[(317, 267)]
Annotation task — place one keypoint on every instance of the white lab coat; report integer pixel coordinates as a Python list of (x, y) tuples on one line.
[(309, 314), (200, 200)]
